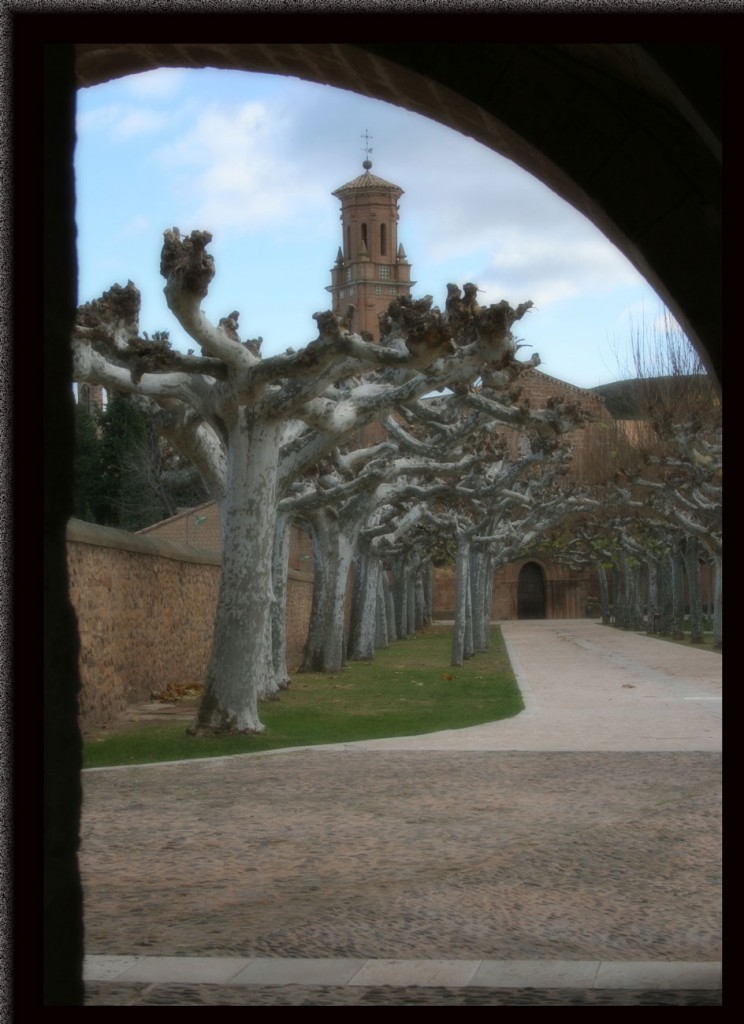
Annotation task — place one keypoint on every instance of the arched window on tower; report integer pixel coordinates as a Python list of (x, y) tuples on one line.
[(364, 236), (383, 240), (348, 243)]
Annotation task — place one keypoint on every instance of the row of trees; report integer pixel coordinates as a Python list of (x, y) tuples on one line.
[(290, 438), (656, 473), (271, 439)]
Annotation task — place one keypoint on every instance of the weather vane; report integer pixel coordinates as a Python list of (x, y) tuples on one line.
[(367, 149)]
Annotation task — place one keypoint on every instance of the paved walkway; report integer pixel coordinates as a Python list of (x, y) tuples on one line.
[(568, 856)]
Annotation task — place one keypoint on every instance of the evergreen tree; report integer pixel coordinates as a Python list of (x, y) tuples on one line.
[(87, 488)]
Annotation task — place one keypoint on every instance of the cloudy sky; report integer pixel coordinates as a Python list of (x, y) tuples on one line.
[(254, 158)]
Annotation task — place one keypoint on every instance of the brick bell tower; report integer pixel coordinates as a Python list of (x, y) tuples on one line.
[(371, 267)]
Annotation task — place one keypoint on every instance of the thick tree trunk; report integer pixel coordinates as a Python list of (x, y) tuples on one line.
[(313, 656), (420, 602), (401, 572), (462, 634), (428, 585), (333, 551), (383, 607), (634, 615), (718, 602), (692, 569), (604, 594), (481, 584), (476, 599), (653, 596), (280, 571), (666, 595), (241, 663), (678, 592), (334, 645), (411, 575), (618, 592), (363, 631), (488, 597), (390, 611)]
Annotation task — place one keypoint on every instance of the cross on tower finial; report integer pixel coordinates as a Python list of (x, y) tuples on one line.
[(367, 149)]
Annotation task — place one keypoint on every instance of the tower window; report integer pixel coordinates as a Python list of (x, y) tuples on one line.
[(383, 240), (378, 289), (383, 273), (348, 243), (364, 235), (348, 275), (341, 294)]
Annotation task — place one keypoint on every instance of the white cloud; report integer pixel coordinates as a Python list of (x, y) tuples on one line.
[(161, 84), (231, 170), (121, 121), (549, 270), (98, 119), (139, 122)]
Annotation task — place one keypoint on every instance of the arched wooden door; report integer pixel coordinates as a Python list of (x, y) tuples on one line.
[(531, 592)]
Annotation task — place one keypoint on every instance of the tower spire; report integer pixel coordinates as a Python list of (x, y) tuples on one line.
[(367, 163)]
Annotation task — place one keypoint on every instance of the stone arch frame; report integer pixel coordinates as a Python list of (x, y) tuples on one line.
[(582, 119)]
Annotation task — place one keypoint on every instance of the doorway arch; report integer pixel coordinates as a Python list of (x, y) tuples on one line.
[(531, 603)]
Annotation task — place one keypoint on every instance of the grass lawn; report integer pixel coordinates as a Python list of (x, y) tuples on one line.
[(408, 689)]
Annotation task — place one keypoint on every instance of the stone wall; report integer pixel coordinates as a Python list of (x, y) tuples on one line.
[(145, 610)]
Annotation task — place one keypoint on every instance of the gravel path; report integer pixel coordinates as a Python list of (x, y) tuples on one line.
[(406, 854)]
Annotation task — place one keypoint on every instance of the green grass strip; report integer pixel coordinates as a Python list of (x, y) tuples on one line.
[(408, 690)]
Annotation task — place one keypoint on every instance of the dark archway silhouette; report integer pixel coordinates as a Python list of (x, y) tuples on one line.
[(531, 592), (629, 134)]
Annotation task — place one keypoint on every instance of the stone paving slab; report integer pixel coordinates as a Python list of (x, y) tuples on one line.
[(299, 971), (513, 974)]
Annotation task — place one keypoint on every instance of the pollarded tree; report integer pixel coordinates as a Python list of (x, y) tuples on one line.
[(252, 426)]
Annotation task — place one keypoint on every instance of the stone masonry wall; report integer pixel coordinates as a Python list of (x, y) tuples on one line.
[(145, 611)]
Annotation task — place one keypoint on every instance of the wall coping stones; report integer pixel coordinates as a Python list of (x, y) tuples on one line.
[(80, 532)]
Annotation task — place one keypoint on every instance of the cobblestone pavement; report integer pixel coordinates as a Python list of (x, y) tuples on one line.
[(424, 854)]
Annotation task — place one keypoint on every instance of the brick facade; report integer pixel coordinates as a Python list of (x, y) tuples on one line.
[(371, 268), (568, 594)]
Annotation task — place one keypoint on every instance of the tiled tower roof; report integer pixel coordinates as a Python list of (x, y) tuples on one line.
[(364, 181)]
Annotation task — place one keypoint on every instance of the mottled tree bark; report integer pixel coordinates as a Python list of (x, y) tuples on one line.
[(462, 633), (241, 665), (652, 570), (718, 601), (692, 570), (678, 594), (604, 594), (363, 632), (279, 574)]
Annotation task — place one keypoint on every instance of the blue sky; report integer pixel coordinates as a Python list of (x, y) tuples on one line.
[(254, 158)]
